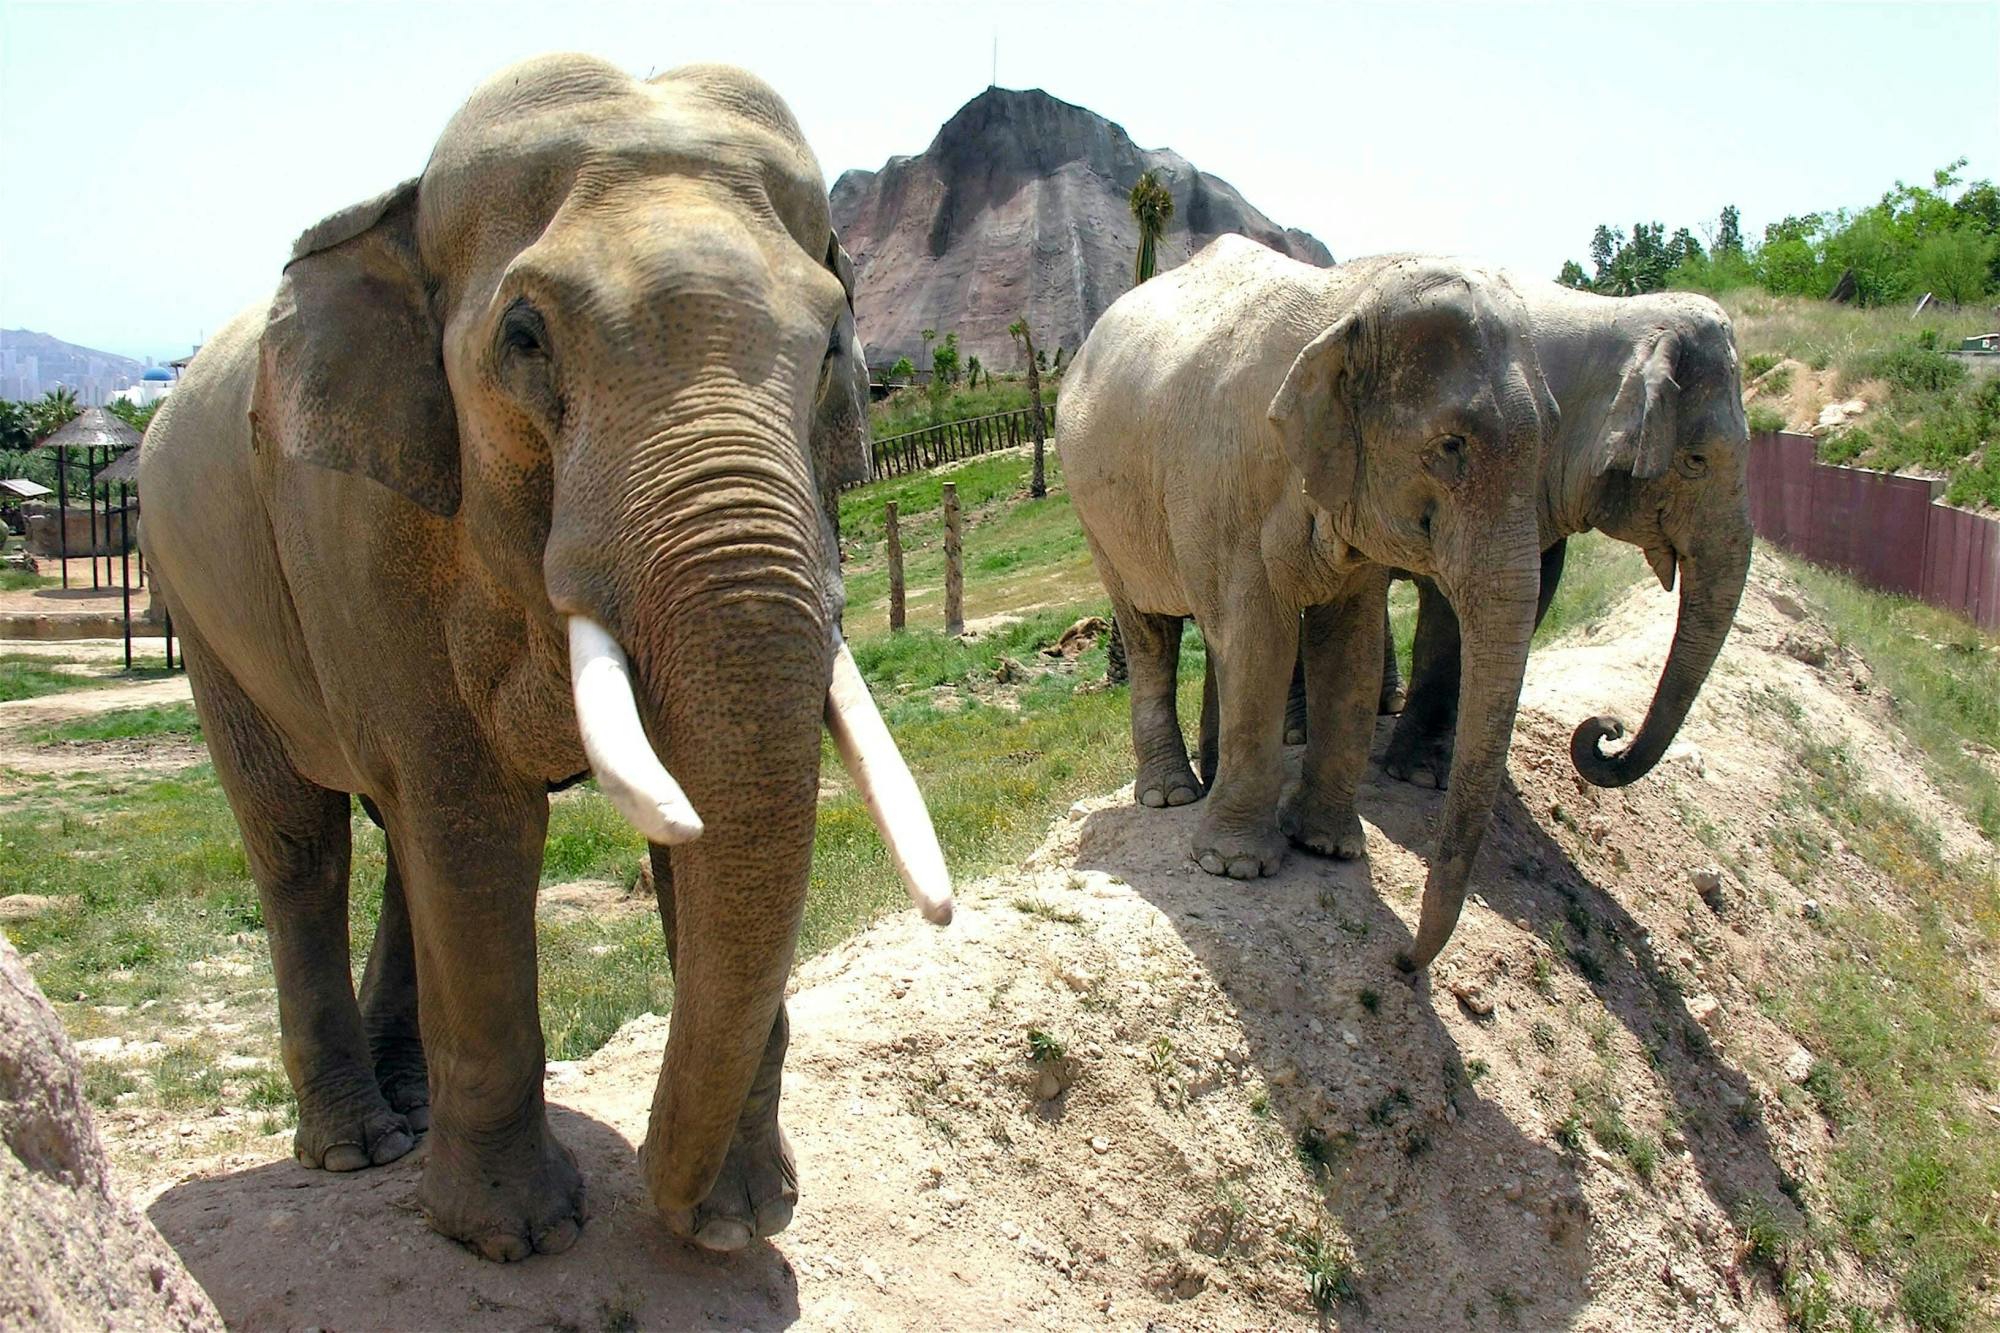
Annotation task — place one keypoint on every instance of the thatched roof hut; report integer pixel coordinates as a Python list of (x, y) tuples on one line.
[(124, 468), (92, 428)]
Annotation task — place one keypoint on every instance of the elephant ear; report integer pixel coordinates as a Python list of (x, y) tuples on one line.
[(1639, 430), (840, 417), (1314, 413), (350, 373)]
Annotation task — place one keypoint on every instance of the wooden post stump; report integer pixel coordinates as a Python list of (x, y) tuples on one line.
[(954, 564), (895, 543)]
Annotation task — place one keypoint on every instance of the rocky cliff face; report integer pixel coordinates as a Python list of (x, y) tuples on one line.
[(1019, 207)]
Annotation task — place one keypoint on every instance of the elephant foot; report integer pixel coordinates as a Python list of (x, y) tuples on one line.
[(1295, 721), (1165, 784), (502, 1209), (352, 1132), (1321, 825), (1238, 854), (1419, 755), (401, 1073), (753, 1197), (1394, 696)]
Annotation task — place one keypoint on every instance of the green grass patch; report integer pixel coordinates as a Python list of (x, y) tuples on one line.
[(913, 408), (32, 675), (1597, 572), (1940, 672), (20, 580), (176, 719), (1904, 1039)]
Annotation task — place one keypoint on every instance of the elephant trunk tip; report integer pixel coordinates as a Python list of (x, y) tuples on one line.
[(1598, 768)]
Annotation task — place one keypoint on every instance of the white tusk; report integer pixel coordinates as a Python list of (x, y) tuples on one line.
[(620, 755), (884, 780)]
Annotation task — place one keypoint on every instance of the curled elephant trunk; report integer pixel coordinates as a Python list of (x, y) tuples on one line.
[(649, 798), (1497, 618), (1711, 587)]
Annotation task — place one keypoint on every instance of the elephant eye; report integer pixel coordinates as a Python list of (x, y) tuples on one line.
[(1451, 445), (1694, 465), (522, 331)]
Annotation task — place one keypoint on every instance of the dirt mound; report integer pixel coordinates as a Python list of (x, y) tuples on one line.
[(1119, 1091)]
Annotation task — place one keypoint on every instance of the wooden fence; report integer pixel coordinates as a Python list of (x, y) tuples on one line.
[(1889, 532), (917, 450)]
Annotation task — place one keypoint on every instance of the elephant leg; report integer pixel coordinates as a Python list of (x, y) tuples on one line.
[(1393, 695), (1421, 747), (1343, 661), (1152, 658), (297, 838), (1295, 704), (759, 1185), (469, 848), (389, 1006), (1208, 743), (1257, 644)]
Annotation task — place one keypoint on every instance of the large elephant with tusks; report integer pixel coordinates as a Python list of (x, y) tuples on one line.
[(526, 473)]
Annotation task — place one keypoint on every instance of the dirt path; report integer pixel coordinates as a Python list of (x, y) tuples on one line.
[(1245, 1081), (22, 719)]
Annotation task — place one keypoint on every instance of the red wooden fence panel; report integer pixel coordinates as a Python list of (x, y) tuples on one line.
[(1886, 531)]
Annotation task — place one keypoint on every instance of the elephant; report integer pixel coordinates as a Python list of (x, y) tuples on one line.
[(524, 475), (1653, 450), (1246, 439)]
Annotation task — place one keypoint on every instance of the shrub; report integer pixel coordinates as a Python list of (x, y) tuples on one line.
[(1906, 366), (1764, 417)]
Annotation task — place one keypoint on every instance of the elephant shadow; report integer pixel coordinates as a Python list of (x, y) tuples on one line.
[(1439, 1193), (1307, 957), (278, 1246)]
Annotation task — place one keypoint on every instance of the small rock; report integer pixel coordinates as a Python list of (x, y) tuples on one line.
[(1513, 1190), (1703, 1008), (1810, 909), (1349, 1036), (1474, 998), (1100, 1145), (27, 906), (1286, 1075), (873, 1272), (1798, 1064), (1048, 1086), (1803, 646), (1708, 883), (1599, 828), (1010, 1230)]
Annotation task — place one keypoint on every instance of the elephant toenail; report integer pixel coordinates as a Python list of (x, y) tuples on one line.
[(774, 1217), (1211, 863), (557, 1238), (722, 1234), (344, 1157), (504, 1248), (391, 1146), (419, 1118), (1151, 798)]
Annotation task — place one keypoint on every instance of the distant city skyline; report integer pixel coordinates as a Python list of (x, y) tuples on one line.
[(184, 146)]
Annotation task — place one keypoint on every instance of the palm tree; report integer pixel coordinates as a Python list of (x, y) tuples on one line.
[(1038, 485), (1152, 206)]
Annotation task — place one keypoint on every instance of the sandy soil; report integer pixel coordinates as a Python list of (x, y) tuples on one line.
[(21, 719), (1153, 1176)]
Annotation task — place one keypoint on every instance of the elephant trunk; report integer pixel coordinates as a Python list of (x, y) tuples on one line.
[(1711, 579), (1496, 612)]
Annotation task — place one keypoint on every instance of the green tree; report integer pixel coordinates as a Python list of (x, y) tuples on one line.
[(1038, 485), (904, 370), (1152, 206), (1729, 236), (1572, 275), (54, 410), (133, 415), (1955, 266)]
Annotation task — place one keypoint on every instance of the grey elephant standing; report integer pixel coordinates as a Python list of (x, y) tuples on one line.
[(1246, 438), (527, 473), (1653, 449)]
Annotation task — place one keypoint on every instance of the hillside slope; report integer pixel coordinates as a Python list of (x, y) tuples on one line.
[(1018, 206), (1620, 1100)]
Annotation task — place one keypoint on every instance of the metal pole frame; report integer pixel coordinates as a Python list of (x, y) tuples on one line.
[(62, 510)]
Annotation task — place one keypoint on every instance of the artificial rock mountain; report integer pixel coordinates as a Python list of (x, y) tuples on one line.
[(1019, 207)]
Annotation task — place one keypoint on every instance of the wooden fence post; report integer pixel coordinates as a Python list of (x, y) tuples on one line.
[(954, 564), (895, 537)]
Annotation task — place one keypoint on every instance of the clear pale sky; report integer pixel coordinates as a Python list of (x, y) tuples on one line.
[(158, 158)]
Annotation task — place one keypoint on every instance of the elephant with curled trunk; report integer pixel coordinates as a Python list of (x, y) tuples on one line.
[(1246, 439), (527, 474), (1654, 451)]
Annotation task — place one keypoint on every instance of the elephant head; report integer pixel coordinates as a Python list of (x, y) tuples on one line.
[(1417, 421), (607, 340), (1668, 475)]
